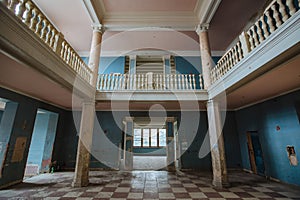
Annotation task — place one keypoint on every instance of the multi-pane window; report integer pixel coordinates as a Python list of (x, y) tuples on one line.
[(149, 137), (137, 137)]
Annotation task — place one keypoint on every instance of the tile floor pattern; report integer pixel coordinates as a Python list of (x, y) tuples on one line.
[(149, 185)]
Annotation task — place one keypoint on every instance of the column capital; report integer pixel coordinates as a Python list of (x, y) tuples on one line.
[(98, 28), (170, 119), (166, 57), (201, 28), (132, 57)]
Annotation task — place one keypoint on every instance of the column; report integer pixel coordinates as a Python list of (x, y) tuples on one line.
[(94, 58), (167, 64), (132, 64), (81, 177), (128, 144), (206, 60), (217, 145), (170, 144)]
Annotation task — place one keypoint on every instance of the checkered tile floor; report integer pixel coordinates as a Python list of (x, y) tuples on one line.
[(149, 185)]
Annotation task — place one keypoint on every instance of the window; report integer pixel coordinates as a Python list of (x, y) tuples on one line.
[(162, 138), (153, 137), (146, 142), (149, 137), (137, 137)]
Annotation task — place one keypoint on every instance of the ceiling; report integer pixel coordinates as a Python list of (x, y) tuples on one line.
[(23, 79), (75, 17)]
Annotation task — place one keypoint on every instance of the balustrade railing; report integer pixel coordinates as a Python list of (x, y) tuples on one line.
[(149, 81), (278, 12), (34, 18)]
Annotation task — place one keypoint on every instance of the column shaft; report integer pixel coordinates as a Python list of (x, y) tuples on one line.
[(217, 145), (81, 177), (206, 59), (128, 154), (170, 145)]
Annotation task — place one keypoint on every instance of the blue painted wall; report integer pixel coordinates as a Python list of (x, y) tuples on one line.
[(38, 139), (112, 65), (23, 127), (1, 113), (264, 118)]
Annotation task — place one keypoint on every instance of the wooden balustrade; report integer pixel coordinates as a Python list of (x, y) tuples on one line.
[(149, 81), (34, 18), (278, 12)]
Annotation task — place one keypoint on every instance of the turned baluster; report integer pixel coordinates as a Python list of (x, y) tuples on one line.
[(62, 52), (194, 81), (175, 82), (282, 10), (49, 34), (34, 19), (68, 54), (105, 82), (201, 81), (264, 27), (22, 8), (134, 81), (99, 86), (236, 54), (261, 37), (102, 81), (251, 40), (270, 21), (124, 81), (240, 52), (12, 5), (276, 16), (291, 7), (255, 36), (109, 82), (27, 14), (190, 81), (52, 39), (44, 29), (186, 82), (161, 84), (39, 25)]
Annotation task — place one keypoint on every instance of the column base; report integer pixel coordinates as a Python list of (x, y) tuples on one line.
[(220, 184), (77, 184), (171, 168)]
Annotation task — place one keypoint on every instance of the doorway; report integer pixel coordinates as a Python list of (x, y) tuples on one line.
[(41, 145), (255, 153)]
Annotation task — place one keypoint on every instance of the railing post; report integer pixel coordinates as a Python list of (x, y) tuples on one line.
[(58, 43), (244, 38)]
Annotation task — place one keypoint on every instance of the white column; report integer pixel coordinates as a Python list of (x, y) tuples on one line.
[(206, 60), (217, 145), (170, 144), (128, 143), (81, 177)]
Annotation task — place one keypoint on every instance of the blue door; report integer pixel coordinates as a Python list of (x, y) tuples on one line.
[(259, 162)]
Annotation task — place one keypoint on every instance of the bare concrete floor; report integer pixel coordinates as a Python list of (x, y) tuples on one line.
[(149, 185), (149, 162)]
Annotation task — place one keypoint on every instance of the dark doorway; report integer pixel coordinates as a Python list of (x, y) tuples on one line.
[(255, 153)]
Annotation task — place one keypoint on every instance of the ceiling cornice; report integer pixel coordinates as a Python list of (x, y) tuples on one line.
[(91, 11), (202, 13), (205, 10)]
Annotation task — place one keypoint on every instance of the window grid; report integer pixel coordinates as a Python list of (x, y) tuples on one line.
[(139, 136)]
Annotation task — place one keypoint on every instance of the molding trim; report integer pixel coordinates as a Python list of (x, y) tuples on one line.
[(150, 52), (87, 4), (206, 11)]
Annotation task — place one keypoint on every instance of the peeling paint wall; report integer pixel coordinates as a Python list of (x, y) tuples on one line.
[(265, 118)]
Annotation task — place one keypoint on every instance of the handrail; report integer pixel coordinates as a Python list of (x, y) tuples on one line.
[(278, 12), (149, 81), (33, 17)]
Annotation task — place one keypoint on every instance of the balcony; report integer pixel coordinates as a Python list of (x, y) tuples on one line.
[(151, 86), (28, 36), (275, 32)]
